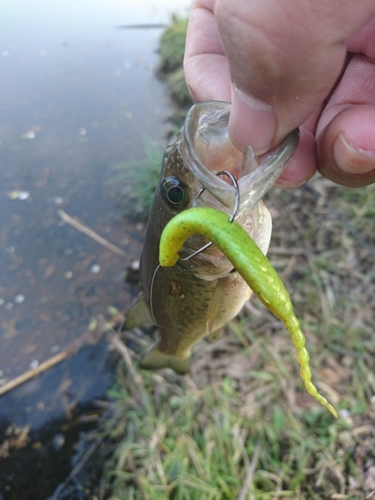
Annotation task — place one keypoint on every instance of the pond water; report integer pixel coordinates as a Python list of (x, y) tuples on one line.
[(78, 95)]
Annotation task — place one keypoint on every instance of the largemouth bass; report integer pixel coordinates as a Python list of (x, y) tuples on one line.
[(197, 297)]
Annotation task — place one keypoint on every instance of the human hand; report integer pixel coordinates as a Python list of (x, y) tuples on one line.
[(290, 63)]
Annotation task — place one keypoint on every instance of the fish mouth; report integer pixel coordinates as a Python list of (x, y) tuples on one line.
[(209, 149)]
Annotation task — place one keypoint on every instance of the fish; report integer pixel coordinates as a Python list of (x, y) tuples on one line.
[(203, 291), (249, 261)]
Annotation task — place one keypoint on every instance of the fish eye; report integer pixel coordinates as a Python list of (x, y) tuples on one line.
[(174, 192)]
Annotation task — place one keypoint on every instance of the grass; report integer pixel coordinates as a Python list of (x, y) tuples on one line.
[(172, 45), (242, 425), (138, 180), (172, 49)]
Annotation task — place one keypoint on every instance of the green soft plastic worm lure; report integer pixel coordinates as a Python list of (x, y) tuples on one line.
[(251, 264)]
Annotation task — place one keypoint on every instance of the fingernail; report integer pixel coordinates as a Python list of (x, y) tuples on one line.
[(351, 159), (281, 183), (251, 122)]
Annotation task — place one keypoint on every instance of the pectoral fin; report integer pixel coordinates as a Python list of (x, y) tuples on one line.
[(156, 359), (215, 334), (139, 314)]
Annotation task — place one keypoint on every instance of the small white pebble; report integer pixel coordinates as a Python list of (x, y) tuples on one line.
[(18, 299), (82, 131), (30, 134), (95, 268), (344, 413), (139, 226), (8, 306), (23, 195), (43, 299), (373, 400), (58, 441), (68, 275), (58, 200), (2, 301), (135, 265), (125, 241), (34, 363), (55, 349)]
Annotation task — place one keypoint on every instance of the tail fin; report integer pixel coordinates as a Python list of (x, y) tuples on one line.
[(156, 359)]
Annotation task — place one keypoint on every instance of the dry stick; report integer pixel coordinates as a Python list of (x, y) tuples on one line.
[(92, 234), (36, 371), (123, 350), (250, 475), (86, 338)]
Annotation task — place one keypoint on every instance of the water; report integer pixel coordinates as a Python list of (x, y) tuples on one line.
[(78, 95)]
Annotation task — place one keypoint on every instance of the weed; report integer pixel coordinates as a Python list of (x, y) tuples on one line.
[(138, 180), (172, 49)]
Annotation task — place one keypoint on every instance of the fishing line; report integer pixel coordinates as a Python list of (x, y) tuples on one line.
[(151, 290), (232, 217)]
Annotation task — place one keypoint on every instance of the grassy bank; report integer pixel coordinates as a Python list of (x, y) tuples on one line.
[(172, 48), (242, 426)]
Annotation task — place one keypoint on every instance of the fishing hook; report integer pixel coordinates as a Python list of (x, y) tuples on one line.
[(232, 217)]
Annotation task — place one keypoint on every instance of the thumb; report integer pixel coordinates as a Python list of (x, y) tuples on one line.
[(284, 58)]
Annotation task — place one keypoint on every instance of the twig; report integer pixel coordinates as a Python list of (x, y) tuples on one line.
[(86, 338), (92, 234), (123, 350), (286, 251), (248, 483), (12, 384)]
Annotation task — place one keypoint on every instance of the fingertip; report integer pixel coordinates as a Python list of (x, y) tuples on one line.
[(346, 147), (251, 123), (302, 166)]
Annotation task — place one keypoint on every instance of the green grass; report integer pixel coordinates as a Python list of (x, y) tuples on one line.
[(172, 45), (138, 180), (172, 49), (177, 87), (182, 442)]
